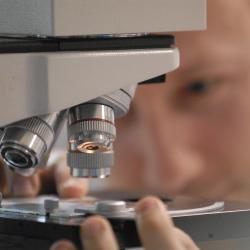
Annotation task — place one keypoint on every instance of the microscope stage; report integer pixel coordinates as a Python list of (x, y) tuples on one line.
[(24, 224)]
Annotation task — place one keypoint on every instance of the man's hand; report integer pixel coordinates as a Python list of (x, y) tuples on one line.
[(155, 227), (53, 179)]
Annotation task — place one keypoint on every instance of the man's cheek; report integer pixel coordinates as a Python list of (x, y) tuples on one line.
[(174, 179)]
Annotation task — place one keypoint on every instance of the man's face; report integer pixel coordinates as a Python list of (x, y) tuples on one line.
[(192, 134)]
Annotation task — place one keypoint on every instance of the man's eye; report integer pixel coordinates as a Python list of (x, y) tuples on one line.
[(197, 94), (197, 87)]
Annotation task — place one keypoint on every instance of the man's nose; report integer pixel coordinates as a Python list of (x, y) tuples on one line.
[(169, 156)]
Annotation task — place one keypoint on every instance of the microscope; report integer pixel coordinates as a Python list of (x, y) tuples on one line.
[(79, 62)]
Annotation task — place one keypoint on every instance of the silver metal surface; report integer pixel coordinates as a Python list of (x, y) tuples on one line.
[(91, 124), (115, 208), (91, 160), (216, 206), (110, 206), (99, 173), (119, 100), (91, 133), (109, 209), (24, 143), (50, 205), (89, 130), (1, 132), (122, 209), (21, 148), (96, 165), (89, 111)]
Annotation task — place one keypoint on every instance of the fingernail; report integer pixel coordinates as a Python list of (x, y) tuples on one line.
[(91, 228), (69, 183), (56, 246), (62, 245), (147, 205), (72, 189)]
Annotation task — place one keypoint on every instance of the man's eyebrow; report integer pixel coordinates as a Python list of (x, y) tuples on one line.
[(196, 65), (206, 62)]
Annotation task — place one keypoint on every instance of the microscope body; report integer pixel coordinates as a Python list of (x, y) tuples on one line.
[(81, 60)]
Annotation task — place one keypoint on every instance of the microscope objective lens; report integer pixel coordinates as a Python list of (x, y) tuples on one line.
[(91, 133), (17, 158)]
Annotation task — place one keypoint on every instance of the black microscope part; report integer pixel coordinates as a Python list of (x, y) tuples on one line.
[(31, 45)]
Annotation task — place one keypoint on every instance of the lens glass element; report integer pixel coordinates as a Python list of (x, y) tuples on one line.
[(17, 158)]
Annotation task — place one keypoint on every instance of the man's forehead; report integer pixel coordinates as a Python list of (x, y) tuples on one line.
[(228, 30), (229, 14)]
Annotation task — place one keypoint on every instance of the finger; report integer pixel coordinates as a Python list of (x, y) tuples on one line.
[(22, 186), (186, 240), (67, 186), (97, 234), (3, 181), (63, 245), (155, 226), (15, 185)]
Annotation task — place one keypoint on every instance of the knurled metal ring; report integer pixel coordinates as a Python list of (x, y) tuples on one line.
[(36, 126), (89, 161), (92, 126)]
